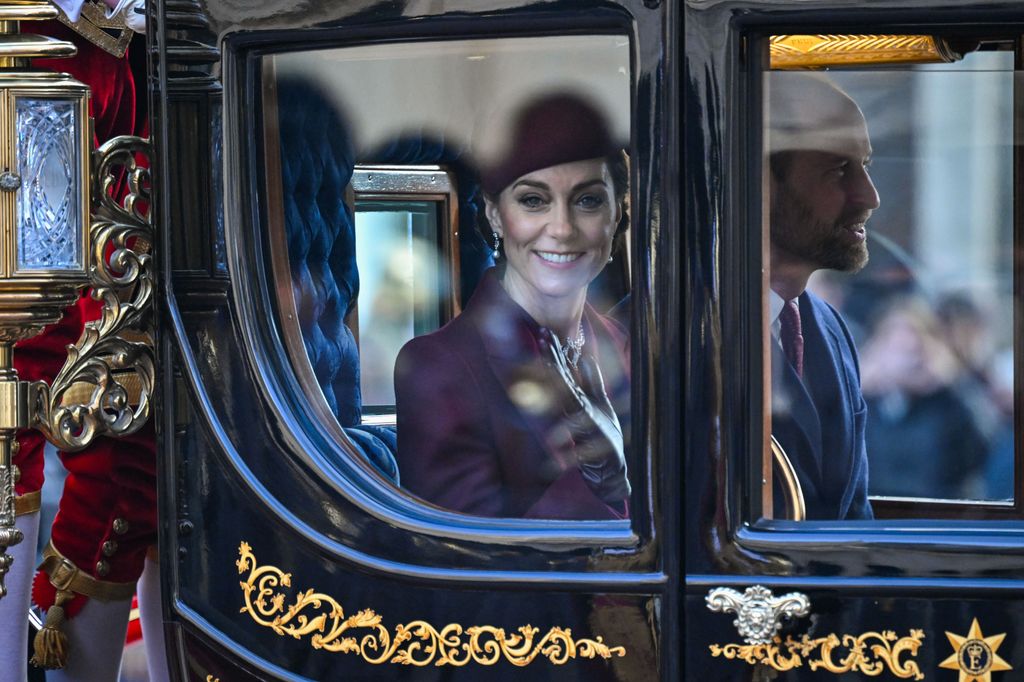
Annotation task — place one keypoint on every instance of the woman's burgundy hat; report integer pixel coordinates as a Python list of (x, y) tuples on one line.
[(549, 131)]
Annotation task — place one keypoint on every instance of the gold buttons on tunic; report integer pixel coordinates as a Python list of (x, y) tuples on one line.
[(109, 548), (120, 526), (102, 568)]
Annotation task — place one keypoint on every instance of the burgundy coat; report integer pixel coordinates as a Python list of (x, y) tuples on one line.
[(471, 431)]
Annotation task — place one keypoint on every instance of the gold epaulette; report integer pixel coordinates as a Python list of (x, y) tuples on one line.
[(110, 35)]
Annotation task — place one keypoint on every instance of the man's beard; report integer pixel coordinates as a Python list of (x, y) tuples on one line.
[(794, 229)]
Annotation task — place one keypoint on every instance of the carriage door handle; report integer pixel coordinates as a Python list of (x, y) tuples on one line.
[(759, 613)]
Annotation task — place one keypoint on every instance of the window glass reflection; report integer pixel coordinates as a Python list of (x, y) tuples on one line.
[(462, 333), (920, 334)]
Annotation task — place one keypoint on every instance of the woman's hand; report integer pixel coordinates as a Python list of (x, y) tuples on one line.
[(596, 437)]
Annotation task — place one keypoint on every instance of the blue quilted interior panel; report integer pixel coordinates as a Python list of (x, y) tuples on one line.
[(379, 443), (316, 166)]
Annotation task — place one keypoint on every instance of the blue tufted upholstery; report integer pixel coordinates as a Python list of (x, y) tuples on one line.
[(316, 166)]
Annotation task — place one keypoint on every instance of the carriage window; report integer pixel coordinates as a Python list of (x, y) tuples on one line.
[(891, 303), (406, 254), (447, 224)]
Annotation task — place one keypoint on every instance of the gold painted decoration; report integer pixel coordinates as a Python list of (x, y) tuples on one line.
[(418, 643), (809, 51), (974, 655), (871, 654)]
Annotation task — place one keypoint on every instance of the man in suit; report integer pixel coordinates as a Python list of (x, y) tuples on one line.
[(821, 200)]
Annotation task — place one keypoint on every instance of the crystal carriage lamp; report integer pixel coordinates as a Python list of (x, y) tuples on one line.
[(45, 258)]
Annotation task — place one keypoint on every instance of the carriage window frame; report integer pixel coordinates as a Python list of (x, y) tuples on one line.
[(383, 184), (387, 501), (762, 470)]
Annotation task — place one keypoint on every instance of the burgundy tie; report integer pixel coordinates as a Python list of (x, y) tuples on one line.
[(792, 336)]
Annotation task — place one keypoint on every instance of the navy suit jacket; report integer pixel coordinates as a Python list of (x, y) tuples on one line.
[(472, 424), (820, 420)]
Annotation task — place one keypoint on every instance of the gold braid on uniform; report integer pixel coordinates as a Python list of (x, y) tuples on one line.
[(27, 503), (51, 643), (107, 33)]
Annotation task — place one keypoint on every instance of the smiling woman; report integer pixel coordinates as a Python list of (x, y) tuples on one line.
[(516, 408), (443, 242)]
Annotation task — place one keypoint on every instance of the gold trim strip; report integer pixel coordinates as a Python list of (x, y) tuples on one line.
[(25, 11), (807, 51), (871, 653), (65, 575), (28, 503), (792, 492), (28, 45), (417, 643)]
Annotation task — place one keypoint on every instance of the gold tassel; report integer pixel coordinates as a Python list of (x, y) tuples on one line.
[(51, 644)]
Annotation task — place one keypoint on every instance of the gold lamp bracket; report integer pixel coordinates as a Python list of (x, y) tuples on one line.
[(106, 383)]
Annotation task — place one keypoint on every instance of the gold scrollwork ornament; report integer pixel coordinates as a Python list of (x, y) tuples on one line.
[(871, 654), (416, 643), (105, 385), (770, 655)]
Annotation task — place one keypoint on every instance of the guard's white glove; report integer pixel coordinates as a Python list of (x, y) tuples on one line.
[(72, 8), (134, 12)]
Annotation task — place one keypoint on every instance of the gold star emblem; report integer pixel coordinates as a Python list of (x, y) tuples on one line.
[(975, 655)]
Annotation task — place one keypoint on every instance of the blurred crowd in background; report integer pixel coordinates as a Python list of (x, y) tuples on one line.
[(937, 375)]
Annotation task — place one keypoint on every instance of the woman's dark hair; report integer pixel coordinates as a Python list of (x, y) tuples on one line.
[(618, 168)]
